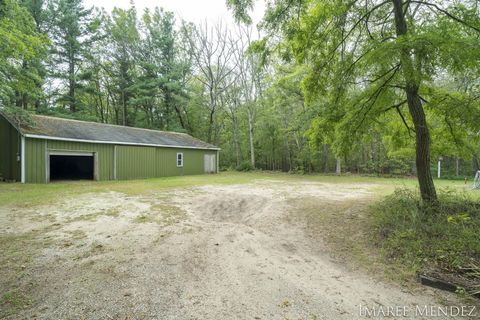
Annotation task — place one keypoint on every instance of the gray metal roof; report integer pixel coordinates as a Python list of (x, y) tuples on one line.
[(66, 129)]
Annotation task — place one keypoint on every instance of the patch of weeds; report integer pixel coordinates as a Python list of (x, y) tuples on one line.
[(341, 227), (74, 235), (160, 238), (442, 237), (13, 301), (112, 212), (162, 214), (18, 250), (245, 166), (108, 269), (77, 234), (143, 219), (85, 217), (16, 258), (94, 249), (169, 214), (43, 218), (285, 303)]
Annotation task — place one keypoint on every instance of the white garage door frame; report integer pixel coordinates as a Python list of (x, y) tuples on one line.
[(50, 152)]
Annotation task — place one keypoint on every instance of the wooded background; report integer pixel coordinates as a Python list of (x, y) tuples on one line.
[(259, 95)]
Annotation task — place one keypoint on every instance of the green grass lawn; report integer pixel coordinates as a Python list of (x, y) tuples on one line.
[(32, 194)]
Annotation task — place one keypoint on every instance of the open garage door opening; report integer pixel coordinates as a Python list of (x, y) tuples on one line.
[(72, 167)]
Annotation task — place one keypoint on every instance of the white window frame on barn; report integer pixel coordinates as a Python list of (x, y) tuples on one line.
[(180, 159)]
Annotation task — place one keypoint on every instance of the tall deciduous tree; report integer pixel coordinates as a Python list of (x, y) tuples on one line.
[(33, 71), (212, 50), (21, 45), (250, 72)]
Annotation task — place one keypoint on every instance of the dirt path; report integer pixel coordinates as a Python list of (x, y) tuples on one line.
[(211, 252)]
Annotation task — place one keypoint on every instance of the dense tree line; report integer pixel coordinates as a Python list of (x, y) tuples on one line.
[(365, 60), (380, 87)]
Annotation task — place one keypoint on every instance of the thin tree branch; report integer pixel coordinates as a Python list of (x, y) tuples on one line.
[(448, 14), (409, 130)]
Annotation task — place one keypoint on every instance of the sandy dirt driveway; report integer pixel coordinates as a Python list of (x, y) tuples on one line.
[(209, 252)]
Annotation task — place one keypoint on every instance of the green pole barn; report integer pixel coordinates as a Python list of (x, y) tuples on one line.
[(61, 149)]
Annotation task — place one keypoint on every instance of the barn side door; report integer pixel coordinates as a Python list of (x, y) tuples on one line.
[(209, 163), (206, 162)]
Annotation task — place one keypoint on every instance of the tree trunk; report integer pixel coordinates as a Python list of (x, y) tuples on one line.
[(180, 117), (250, 137), (425, 179), (475, 163), (210, 125), (457, 166), (167, 111), (273, 152), (124, 105), (236, 140), (213, 106), (338, 166), (71, 89), (325, 155), (289, 154), (415, 108)]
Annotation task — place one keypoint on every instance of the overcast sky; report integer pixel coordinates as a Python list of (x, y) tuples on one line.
[(190, 10)]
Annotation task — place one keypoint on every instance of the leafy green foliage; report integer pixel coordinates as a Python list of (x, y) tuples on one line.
[(443, 236), (240, 9), (245, 166), (313, 100), (364, 60), (74, 30), (162, 71), (21, 45)]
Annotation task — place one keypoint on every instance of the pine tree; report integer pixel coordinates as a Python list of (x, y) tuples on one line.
[(74, 29)]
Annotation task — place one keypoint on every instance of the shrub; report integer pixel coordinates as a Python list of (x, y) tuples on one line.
[(443, 236), (245, 166), (298, 170)]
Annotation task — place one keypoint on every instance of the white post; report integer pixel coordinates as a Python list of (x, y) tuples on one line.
[(338, 167), (439, 168), (22, 159)]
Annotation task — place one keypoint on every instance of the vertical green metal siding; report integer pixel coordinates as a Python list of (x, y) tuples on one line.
[(104, 154), (35, 161), (166, 162), (135, 162), (5, 148), (9, 150), (132, 162), (35, 157)]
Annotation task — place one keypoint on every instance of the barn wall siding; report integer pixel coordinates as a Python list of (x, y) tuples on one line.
[(9, 150), (132, 162), (35, 161), (192, 162), (135, 162), (104, 154)]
